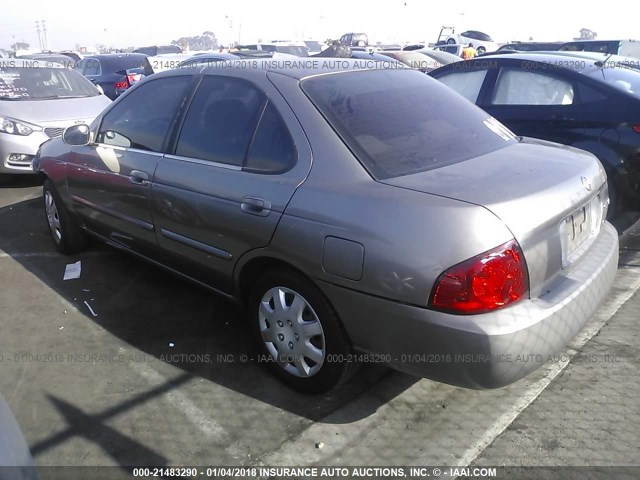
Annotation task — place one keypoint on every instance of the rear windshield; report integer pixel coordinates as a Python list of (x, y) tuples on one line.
[(43, 83), (121, 64), (400, 122), (625, 79)]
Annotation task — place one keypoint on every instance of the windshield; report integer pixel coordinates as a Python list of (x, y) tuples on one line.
[(292, 50), (402, 122), (625, 79), (43, 83)]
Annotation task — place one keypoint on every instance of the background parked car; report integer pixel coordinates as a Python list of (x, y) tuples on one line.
[(531, 46), (354, 39), (572, 100), (50, 57), (442, 57), (299, 49), (16, 462), (377, 56), (115, 73), (625, 48), (346, 210), (413, 59), (158, 50), (37, 103), (481, 41)]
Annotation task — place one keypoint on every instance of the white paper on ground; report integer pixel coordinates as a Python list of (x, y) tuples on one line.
[(72, 270)]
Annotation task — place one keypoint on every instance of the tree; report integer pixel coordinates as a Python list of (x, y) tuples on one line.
[(20, 46), (586, 34), (206, 41)]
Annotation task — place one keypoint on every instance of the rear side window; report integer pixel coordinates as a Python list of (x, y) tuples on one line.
[(92, 67), (221, 121), (517, 87), (272, 149), (399, 122), (467, 84), (141, 121)]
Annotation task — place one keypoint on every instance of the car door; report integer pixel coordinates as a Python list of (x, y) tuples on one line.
[(110, 179), (238, 159), (534, 99)]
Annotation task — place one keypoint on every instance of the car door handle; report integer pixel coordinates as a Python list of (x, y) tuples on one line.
[(255, 206), (139, 178)]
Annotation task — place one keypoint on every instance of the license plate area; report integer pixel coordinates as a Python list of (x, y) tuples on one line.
[(579, 229)]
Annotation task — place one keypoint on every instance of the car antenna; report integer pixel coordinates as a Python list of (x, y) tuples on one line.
[(600, 64)]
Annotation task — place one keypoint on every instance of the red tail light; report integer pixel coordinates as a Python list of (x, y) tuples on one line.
[(122, 85), (134, 77), (490, 281), (636, 128)]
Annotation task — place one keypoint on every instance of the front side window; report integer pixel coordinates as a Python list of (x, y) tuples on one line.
[(467, 84), (142, 120), (221, 121), (518, 87)]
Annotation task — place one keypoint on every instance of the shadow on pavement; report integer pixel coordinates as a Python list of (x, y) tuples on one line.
[(150, 309)]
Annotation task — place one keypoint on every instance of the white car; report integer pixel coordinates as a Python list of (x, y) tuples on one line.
[(481, 41)]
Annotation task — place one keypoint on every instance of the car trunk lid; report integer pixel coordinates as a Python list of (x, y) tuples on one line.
[(552, 199)]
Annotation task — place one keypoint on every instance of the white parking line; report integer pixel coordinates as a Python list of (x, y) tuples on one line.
[(182, 403), (628, 281)]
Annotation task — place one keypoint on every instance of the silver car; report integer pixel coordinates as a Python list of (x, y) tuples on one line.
[(359, 215), (38, 100)]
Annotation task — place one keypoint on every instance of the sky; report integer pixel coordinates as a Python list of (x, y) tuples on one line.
[(142, 22)]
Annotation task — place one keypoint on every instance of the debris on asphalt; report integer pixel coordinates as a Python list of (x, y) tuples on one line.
[(320, 445), (72, 270), (61, 328), (171, 344), (90, 309), (86, 290)]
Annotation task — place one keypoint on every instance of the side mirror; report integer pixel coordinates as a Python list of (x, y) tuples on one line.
[(77, 135)]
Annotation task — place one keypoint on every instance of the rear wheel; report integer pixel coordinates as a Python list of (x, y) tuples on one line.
[(299, 332), (481, 50), (451, 41), (67, 235)]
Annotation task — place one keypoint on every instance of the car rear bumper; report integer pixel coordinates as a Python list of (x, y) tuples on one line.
[(481, 351)]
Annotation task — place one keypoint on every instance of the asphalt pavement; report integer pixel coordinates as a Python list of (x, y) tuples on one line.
[(128, 365)]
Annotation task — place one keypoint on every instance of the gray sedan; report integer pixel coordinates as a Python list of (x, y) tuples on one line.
[(360, 215)]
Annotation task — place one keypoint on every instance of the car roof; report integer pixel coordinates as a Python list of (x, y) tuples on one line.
[(29, 63), (548, 57), (107, 56), (296, 67)]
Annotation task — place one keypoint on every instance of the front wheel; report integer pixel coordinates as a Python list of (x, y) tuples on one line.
[(481, 50), (298, 332), (67, 235), (451, 41)]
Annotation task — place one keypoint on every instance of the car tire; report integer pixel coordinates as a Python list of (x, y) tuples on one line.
[(481, 50), (306, 348), (451, 41), (65, 232), (4, 179)]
